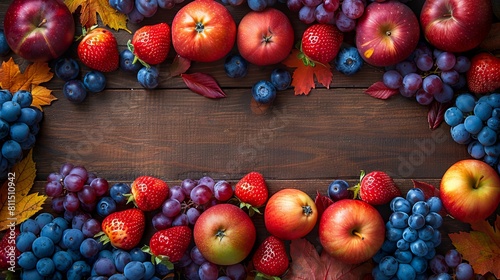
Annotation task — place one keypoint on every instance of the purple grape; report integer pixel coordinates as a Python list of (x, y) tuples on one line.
[(58, 204), (166, 4), (193, 214), (312, 3), (450, 77), (161, 221), (196, 256), (423, 97), (53, 189), (201, 194), (462, 64), (438, 264), (91, 227), (100, 186), (80, 171), (87, 195), (324, 16), (55, 177), (294, 5), (187, 185), (306, 14), (71, 202), (453, 258), (344, 23), (392, 79), (446, 61), (236, 271), (331, 5), (208, 271), (65, 169), (353, 8), (412, 82), (464, 271), (180, 220), (223, 191), (432, 84), (424, 62), (177, 193), (446, 95), (406, 67), (171, 207), (207, 181), (147, 8)]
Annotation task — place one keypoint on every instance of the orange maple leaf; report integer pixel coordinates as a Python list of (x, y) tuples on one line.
[(480, 247), (90, 9), (304, 74), (12, 79), (307, 264)]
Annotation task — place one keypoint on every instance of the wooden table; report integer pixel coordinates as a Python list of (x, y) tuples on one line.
[(301, 142)]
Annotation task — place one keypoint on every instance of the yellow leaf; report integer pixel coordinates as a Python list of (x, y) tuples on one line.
[(37, 73), (90, 9), (24, 173), (42, 96), (9, 73), (24, 208), (18, 205)]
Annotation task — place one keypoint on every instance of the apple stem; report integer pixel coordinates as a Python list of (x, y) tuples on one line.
[(476, 185), (358, 234), (42, 22)]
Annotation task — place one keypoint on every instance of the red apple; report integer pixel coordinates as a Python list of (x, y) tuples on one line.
[(39, 30), (470, 190), (265, 37), (224, 234), (203, 30), (290, 214), (387, 33), (456, 25), (351, 230)]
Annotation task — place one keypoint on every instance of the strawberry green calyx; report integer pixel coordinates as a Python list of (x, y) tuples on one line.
[(262, 276), (251, 209), (103, 238), (85, 31), (130, 47), (356, 188), (158, 259)]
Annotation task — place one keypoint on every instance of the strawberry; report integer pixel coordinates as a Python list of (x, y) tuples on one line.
[(169, 245), (483, 75), (8, 250), (148, 193), (123, 229), (99, 50), (252, 191), (271, 258), (321, 43), (151, 43), (376, 188)]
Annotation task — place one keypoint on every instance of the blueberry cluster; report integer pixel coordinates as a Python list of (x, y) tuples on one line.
[(476, 123), (75, 89), (412, 234), (428, 74), (137, 10), (65, 248), (19, 125)]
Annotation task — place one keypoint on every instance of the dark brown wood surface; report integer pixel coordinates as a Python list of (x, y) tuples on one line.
[(300, 142)]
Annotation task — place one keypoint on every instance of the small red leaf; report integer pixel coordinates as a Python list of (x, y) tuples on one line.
[(428, 189), (381, 91), (322, 202), (179, 66), (435, 116), (203, 84)]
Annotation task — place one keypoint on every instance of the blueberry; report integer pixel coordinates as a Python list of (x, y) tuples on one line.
[(66, 69), (23, 98), (117, 192), (62, 260), (127, 62), (24, 241), (148, 77), (29, 116), (134, 270), (264, 92), (12, 151), (94, 81), (43, 247), (89, 247), (105, 206), (4, 47), (27, 260), (52, 231), (5, 95), (31, 226), (257, 5), (72, 239), (348, 61), (339, 189), (4, 129), (121, 258), (75, 91), (281, 78), (122, 6), (235, 66), (19, 132), (10, 111), (45, 267)]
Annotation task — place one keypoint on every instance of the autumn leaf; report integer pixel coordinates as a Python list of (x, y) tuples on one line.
[(322, 202), (90, 9), (303, 78), (16, 204), (307, 264), (435, 115), (480, 247), (203, 84), (179, 66), (380, 91), (428, 189), (35, 74)]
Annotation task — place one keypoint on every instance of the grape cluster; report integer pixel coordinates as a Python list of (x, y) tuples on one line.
[(137, 10), (65, 248), (341, 13), (254, 5), (412, 234), (194, 266), (449, 265), (476, 123), (74, 189), (428, 75), (19, 125)]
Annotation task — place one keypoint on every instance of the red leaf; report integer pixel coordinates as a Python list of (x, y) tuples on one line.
[(203, 84), (322, 202), (435, 116), (307, 264), (381, 91), (428, 189), (179, 66)]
